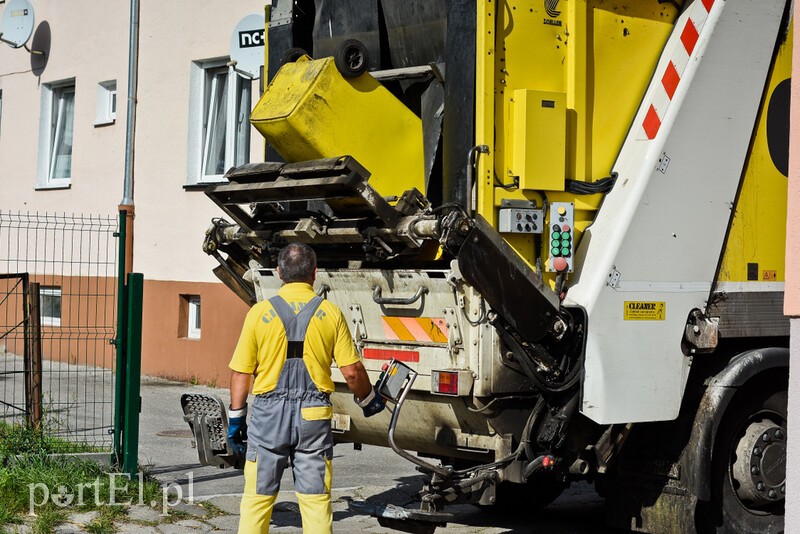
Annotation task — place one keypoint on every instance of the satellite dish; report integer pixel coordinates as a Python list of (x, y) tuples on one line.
[(17, 23), (247, 45)]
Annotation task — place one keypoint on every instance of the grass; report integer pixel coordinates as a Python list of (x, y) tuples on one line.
[(17, 439), (25, 464)]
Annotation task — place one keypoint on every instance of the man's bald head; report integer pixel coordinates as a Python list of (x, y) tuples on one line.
[(297, 262)]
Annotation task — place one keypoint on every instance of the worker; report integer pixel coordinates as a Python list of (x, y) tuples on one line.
[(288, 343)]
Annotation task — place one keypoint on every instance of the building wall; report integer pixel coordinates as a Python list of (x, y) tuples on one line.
[(177, 356), (88, 41), (90, 49), (170, 221), (792, 298)]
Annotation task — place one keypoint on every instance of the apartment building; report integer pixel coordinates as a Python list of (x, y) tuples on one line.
[(62, 151)]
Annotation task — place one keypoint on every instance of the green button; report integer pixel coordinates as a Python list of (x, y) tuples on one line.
[(566, 235), (555, 243), (556, 235), (554, 251), (565, 243), (565, 251)]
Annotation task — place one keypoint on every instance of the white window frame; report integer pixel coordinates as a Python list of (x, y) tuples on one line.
[(50, 320), (106, 103), (204, 85), (194, 317), (51, 126)]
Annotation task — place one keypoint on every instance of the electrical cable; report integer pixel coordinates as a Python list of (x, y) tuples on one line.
[(482, 315), (603, 185), (520, 448), (451, 205), (488, 405), (507, 187)]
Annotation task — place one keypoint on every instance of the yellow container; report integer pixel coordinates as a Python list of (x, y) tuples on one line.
[(310, 111)]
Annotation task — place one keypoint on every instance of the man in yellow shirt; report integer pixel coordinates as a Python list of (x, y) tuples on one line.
[(288, 343)]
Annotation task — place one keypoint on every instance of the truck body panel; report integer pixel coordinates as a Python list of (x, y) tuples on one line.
[(663, 226)]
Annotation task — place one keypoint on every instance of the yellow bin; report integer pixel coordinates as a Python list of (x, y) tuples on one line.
[(310, 111)]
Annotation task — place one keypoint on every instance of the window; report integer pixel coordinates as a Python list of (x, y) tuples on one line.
[(50, 306), (220, 126), (194, 317), (55, 134), (189, 316), (106, 103), (1, 110)]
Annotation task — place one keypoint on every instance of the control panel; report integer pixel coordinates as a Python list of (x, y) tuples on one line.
[(519, 217), (562, 234)]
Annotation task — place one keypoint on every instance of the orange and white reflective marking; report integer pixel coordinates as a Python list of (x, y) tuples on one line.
[(681, 54), (426, 329)]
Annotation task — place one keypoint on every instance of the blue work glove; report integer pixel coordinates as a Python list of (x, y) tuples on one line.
[(371, 404), (237, 430)]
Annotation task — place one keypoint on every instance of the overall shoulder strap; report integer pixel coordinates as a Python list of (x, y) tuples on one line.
[(284, 311), (295, 325)]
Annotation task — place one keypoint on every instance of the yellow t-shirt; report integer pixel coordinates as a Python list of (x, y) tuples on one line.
[(262, 345)]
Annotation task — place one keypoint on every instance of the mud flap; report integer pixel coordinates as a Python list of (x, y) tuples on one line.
[(402, 519), (208, 420)]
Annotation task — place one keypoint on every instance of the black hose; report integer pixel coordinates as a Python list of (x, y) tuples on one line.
[(603, 185), (534, 466)]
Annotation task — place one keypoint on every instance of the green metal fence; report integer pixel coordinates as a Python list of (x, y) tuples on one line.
[(59, 374)]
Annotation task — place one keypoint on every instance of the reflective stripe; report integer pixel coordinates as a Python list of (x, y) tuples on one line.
[(317, 413)]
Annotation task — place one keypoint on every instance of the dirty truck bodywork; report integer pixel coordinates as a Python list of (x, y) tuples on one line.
[(566, 217)]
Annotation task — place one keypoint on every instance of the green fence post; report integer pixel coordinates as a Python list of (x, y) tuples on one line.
[(133, 372), (120, 344)]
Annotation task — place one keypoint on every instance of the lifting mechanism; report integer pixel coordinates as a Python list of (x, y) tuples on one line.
[(333, 206)]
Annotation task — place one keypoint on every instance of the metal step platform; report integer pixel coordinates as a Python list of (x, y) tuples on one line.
[(208, 419)]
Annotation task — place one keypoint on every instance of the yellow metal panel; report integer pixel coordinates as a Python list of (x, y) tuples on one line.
[(310, 111), (758, 231), (600, 54), (626, 48), (540, 138)]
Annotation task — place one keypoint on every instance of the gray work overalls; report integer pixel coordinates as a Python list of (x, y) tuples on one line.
[(278, 433)]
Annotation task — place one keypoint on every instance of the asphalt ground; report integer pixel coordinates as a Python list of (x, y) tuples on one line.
[(376, 474)]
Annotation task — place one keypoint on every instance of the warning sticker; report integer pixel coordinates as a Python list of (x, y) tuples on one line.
[(645, 311)]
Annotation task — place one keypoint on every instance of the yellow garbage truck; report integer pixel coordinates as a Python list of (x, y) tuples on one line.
[(561, 221)]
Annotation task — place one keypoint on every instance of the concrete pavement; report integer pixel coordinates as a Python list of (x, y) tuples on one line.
[(212, 495)]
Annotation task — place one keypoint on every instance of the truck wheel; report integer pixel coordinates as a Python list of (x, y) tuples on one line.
[(749, 468), (292, 55), (351, 58)]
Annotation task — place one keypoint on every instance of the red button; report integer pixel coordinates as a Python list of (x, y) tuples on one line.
[(565, 228), (560, 264)]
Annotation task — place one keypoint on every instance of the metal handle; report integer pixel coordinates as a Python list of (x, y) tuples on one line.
[(376, 296), (323, 291), (442, 471)]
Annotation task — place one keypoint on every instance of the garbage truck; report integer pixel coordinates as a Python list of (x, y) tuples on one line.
[(561, 222)]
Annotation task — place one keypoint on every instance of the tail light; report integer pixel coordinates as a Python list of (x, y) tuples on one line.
[(451, 382)]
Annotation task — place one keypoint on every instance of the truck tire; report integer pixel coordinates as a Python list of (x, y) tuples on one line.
[(292, 55), (351, 58), (749, 467)]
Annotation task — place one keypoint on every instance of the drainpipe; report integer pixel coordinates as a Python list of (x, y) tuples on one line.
[(122, 394), (127, 203)]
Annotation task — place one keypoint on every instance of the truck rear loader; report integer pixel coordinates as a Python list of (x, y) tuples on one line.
[(562, 221)]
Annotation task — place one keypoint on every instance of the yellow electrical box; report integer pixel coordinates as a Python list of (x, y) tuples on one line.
[(540, 139), (310, 111)]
